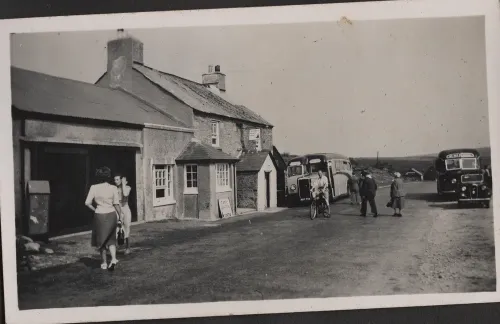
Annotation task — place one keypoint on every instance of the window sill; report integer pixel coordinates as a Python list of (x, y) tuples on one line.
[(164, 203), (223, 190), (191, 191)]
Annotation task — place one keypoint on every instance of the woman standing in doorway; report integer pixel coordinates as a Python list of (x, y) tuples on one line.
[(124, 193), (107, 214)]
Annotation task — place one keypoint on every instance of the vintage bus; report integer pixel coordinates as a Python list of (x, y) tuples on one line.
[(452, 164), (302, 172)]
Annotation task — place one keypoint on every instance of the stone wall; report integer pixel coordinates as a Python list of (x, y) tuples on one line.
[(247, 183)]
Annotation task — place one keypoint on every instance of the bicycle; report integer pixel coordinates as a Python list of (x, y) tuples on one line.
[(319, 206)]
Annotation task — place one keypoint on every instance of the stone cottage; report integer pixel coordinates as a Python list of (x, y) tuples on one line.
[(217, 122)]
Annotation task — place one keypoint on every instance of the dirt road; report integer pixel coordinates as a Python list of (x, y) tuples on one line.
[(433, 248)]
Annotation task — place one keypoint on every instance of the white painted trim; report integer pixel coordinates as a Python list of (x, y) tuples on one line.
[(217, 122), (190, 190), (172, 128), (167, 200), (223, 189), (164, 202), (40, 139)]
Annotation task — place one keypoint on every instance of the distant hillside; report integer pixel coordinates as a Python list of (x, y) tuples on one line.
[(401, 164), (419, 162)]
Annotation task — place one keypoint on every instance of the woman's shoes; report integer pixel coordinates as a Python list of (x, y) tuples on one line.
[(112, 265)]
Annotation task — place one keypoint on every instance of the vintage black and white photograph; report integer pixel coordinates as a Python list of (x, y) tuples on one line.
[(198, 164)]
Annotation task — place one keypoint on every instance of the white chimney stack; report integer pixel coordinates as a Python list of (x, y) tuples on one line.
[(215, 78)]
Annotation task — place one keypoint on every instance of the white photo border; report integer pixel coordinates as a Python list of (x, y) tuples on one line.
[(224, 17)]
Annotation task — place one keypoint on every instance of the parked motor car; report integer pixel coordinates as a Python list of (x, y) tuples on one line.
[(411, 176), (472, 188)]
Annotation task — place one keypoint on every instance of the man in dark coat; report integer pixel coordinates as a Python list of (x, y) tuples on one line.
[(368, 192)]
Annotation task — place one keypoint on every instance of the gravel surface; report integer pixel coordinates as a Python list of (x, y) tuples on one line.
[(433, 248)]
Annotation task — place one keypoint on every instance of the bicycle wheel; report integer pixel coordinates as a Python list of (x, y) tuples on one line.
[(326, 214), (313, 210)]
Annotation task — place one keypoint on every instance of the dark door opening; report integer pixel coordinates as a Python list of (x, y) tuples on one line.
[(119, 160), (268, 189), (70, 169), (66, 173)]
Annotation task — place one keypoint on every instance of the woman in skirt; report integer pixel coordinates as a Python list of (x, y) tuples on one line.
[(107, 215), (397, 194)]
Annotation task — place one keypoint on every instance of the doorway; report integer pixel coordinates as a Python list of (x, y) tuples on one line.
[(66, 171), (268, 189), (70, 172)]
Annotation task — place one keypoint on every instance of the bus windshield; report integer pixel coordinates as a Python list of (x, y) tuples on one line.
[(452, 164), (315, 167), (469, 163), (464, 163), (295, 170)]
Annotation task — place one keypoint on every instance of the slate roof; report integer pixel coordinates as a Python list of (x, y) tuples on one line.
[(198, 96), (41, 93), (252, 162), (196, 151)]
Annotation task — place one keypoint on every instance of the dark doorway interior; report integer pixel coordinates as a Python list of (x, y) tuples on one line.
[(70, 170), (268, 189)]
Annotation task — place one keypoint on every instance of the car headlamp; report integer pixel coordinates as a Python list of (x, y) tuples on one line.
[(483, 187), (293, 187), (464, 188), (453, 180)]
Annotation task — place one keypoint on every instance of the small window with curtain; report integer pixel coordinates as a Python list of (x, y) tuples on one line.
[(223, 177), (163, 192), (191, 179), (215, 133)]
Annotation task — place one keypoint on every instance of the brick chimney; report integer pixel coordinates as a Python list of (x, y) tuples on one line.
[(214, 78), (123, 52)]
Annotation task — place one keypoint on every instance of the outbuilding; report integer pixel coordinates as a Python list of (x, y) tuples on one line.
[(256, 181)]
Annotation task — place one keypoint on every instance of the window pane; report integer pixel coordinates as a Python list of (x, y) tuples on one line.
[(469, 163), (160, 193), (452, 164)]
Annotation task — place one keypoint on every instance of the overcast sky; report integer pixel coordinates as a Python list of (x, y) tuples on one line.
[(400, 87)]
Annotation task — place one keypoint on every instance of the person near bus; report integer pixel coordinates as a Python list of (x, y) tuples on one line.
[(353, 184), (397, 194), (368, 193), (321, 185), (487, 175)]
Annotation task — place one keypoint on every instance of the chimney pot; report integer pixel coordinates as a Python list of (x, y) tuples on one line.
[(217, 68), (210, 68)]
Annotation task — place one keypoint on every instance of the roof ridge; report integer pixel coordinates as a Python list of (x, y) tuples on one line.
[(152, 106), (58, 77), (205, 96), (170, 74)]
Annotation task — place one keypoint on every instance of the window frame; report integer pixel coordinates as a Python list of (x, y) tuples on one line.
[(225, 187), (468, 158), (215, 136), (168, 186), (187, 189)]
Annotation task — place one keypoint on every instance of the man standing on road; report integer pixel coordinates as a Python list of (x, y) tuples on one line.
[(368, 192)]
